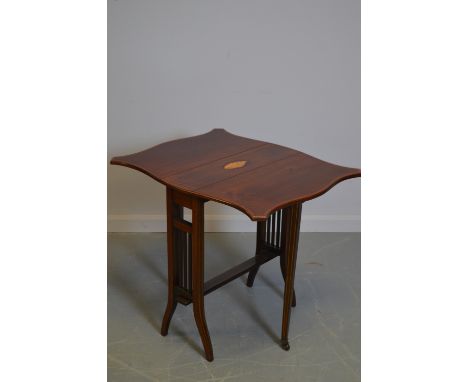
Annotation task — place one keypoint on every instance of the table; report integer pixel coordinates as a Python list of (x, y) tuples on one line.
[(266, 181)]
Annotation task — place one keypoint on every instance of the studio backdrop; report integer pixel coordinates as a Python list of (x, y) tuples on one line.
[(286, 72)]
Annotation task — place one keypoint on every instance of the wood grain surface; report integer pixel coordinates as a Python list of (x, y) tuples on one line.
[(271, 176)]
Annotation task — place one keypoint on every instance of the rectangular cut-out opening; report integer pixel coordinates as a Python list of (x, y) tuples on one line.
[(187, 214)]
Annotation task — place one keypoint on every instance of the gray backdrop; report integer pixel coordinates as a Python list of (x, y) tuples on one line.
[(287, 72)]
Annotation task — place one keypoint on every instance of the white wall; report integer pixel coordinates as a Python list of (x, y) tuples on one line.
[(287, 72)]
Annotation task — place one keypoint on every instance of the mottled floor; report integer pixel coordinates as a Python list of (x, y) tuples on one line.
[(244, 323)]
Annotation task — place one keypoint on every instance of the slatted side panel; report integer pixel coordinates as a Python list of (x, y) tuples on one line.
[(273, 229), (183, 257)]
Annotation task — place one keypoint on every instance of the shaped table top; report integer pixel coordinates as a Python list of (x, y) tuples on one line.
[(253, 176)]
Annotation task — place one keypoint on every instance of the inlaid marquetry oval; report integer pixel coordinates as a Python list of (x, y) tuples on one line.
[(233, 165), (207, 167)]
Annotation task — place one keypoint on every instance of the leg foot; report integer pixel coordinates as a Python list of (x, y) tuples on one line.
[(290, 255), (251, 277), (170, 309), (285, 345), (198, 295), (199, 313)]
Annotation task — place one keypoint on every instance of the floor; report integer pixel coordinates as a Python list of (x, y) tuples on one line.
[(244, 323)]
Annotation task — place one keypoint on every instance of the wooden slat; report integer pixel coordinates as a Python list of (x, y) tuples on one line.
[(183, 225), (183, 244), (182, 199), (268, 230), (262, 257), (177, 255), (273, 228), (189, 240), (278, 228), (261, 227)]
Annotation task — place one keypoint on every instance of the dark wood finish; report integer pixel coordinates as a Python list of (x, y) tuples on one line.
[(273, 176), (182, 199), (261, 234), (293, 222), (275, 237), (186, 262), (173, 211), (182, 225), (282, 237), (198, 291), (276, 185), (185, 154), (184, 294), (237, 271), (272, 239), (268, 182)]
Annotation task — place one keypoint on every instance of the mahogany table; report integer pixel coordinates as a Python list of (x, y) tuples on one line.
[(266, 181)]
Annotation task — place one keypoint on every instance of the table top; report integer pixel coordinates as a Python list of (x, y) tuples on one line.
[(253, 176)]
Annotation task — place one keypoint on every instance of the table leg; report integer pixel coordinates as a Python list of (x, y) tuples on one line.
[(198, 295), (185, 243), (283, 272), (173, 211), (292, 225), (271, 234), (260, 242)]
